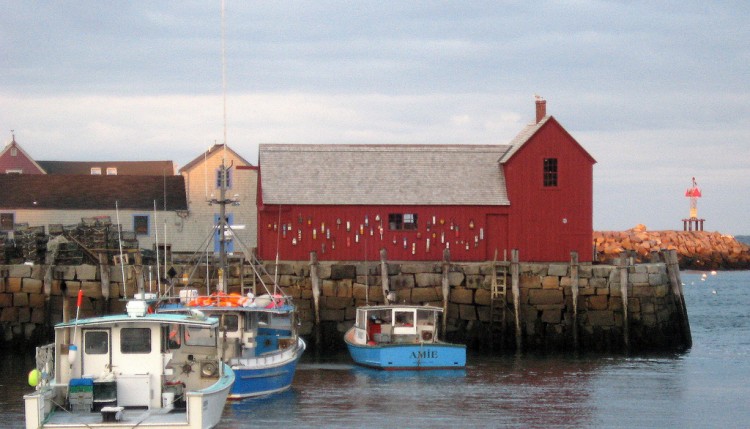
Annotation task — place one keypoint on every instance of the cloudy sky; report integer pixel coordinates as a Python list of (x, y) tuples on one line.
[(657, 92)]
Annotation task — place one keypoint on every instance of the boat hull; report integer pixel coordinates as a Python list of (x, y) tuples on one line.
[(419, 356), (267, 374)]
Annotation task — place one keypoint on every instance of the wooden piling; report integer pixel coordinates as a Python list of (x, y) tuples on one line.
[(574, 290), (673, 270), (47, 285), (446, 287), (315, 282), (515, 287), (140, 283), (105, 280), (384, 275), (65, 308), (623, 268)]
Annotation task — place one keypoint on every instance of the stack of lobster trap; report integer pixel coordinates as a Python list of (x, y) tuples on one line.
[(66, 244), (3, 241), (32, 242)]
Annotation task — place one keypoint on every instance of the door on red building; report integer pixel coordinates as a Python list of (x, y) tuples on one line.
[(496, 237)]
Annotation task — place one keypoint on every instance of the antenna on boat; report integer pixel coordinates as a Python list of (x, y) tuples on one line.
[(224, 70), (119, 242), (222, 194), (156, 238), (222, 284), (276, 266), (164, 175)]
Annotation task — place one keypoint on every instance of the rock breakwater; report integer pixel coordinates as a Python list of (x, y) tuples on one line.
[(698, 250)]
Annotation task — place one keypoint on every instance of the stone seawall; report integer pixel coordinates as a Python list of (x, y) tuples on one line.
[(698, 250), (546, 306)]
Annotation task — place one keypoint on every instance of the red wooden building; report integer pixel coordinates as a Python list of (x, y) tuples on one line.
[(14, 160), (346, 202)]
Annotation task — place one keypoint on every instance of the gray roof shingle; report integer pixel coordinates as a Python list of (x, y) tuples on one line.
[(382, 174), (522, 137)]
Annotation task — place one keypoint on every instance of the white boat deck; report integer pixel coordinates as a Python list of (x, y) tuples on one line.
[(130, 418)]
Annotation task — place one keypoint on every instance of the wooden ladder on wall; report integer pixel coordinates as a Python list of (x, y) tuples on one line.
[(498, 299)]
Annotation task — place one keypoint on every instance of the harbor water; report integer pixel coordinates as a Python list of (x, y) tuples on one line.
[(705, 387)]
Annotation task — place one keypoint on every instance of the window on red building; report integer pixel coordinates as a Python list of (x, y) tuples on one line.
[(550, 172), (405, 221)]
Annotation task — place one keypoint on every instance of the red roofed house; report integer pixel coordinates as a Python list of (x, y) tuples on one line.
[(14, 160), (346, 202), (65, 192)]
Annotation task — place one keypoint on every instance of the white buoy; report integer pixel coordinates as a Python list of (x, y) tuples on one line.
[(72, 353)]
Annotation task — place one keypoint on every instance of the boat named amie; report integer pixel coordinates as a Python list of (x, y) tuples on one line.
[(405, 337), (132, 370)]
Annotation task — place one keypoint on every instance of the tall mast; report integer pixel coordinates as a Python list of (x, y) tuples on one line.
[(223, 228), (223, 170)]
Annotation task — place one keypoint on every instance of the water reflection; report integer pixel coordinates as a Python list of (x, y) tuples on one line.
[(511, 391), (705, 387)]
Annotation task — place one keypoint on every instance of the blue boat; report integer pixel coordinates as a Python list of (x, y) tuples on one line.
[(258, 339), (259, 335), (401, 337)]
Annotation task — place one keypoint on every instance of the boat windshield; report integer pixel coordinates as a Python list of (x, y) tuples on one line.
[(403, 318), (230, 322), (426, 317), (199, 336)]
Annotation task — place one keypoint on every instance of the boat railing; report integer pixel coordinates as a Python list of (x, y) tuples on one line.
[(267, 282), (45, 364), (269, 359), (263, 275)]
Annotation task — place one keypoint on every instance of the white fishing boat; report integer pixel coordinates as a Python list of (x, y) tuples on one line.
[(132, 370)]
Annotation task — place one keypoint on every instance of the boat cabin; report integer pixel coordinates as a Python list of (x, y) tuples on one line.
[(250, 334), (132, 362), (397, 324), (246, 330)]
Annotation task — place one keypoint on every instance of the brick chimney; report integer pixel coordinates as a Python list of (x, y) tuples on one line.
[(541, 108)]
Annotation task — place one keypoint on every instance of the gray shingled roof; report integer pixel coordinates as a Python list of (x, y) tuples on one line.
[(521, 138), (383, 174), (41, 191)]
